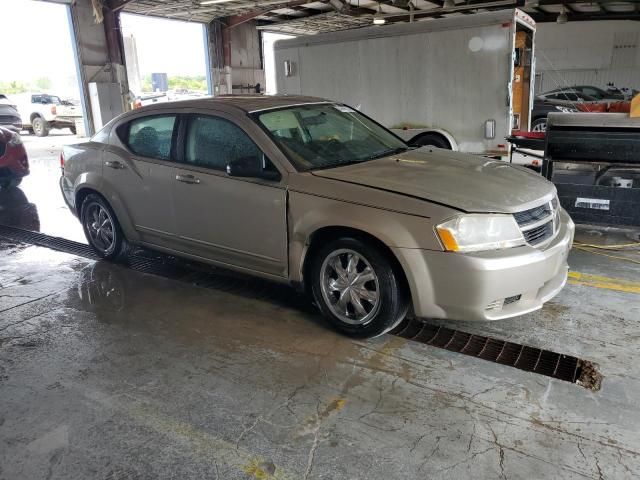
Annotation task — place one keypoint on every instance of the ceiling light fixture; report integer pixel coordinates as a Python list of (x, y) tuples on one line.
[(378, 18), (562, 16)]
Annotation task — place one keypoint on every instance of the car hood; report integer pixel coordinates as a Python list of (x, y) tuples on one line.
[(462, 181)]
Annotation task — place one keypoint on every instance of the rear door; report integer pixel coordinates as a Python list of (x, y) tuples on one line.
[(140, 174), (231, 220)]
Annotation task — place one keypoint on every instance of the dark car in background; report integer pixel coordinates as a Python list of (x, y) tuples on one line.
[(587, 99), (566, 97), (9, 116), (582, 92), (542, 108), (14, 164)]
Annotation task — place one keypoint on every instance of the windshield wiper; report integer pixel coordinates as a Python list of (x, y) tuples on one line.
[(337, 164), (381, 154), (390, 151)]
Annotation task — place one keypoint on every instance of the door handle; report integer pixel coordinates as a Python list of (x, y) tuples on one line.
[(114, 164), (187, 179)]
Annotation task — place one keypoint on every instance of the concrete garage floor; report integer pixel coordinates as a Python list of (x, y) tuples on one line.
[(113, 374)]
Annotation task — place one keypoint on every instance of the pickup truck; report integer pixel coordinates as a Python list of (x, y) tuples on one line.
[(42, 112), (9, 116)]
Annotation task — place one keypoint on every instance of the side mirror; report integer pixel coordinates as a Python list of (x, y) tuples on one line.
[(251, 167)]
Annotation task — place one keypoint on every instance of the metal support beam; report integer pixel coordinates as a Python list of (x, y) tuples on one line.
[(586, 16), (235, 20), (113, 36), (461, 8), (548, 3)]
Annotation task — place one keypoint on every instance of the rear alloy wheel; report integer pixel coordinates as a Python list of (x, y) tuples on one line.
[(539, 125), (357, 288), (40, 127), (101, 228)]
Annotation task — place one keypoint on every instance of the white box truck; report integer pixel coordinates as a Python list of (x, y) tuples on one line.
[(462, 83)]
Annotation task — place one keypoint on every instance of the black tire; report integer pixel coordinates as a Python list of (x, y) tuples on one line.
[(73, 130), (393, 299), (117, 247), (431, 139), (40, 127), (9, 183), (539, 125)]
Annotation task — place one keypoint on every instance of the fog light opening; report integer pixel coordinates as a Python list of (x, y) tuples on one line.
[(502, 302)]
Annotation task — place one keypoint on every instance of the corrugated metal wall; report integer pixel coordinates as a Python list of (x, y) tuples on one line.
[(588, 53)]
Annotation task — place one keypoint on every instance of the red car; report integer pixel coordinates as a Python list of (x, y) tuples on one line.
[(14, 163)]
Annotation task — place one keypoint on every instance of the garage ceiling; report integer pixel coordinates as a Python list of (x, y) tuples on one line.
[(307, 16)]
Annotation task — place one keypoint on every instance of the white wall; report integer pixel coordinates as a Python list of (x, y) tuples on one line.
[(589, 53)]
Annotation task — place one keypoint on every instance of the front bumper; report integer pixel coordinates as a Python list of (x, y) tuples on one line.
[(63, 122), (474, 286)]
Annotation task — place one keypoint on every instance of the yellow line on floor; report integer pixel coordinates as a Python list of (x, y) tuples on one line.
[(597, 281)]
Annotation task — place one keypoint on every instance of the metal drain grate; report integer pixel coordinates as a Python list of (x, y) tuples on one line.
[(55, 243), (174, 268), (523, 357)]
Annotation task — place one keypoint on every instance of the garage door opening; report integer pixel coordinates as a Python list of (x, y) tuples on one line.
[(166, 59), (39, 73)]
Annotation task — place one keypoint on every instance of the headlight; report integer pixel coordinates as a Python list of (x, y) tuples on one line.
[(15, 140), (476, 232), (566, 109)]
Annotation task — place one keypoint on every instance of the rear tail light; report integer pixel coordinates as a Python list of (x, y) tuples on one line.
[(53, 110), (137, 104), (62, 160)]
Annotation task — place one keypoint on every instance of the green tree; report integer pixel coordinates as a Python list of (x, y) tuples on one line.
[(146, 83), (12, 87), (43, 83)]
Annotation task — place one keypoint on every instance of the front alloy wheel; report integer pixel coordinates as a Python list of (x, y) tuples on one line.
[(358, 287), (350, 287)]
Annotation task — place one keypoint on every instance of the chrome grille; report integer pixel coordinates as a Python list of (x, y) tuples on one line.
[(539, 224), (534, 215)]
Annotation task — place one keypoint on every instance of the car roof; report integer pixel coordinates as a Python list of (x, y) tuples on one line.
[(245, 103)]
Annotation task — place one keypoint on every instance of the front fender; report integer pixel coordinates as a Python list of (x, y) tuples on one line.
[(310, 213)]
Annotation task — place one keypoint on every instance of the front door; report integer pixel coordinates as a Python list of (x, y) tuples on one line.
[(140, 178), (235, 221)]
